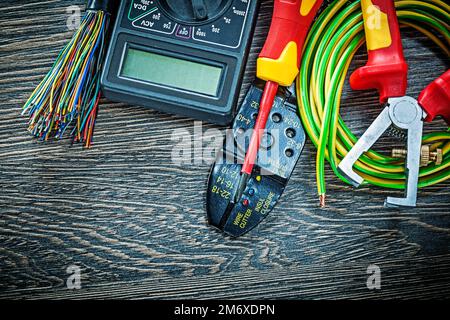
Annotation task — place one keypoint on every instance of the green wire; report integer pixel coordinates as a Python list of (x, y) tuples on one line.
[(332, 42)]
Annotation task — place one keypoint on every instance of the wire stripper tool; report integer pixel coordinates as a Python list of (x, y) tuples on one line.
[(281, 147), (386, 71), (278, 65)]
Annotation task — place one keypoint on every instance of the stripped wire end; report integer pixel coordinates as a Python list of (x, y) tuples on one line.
[(322, 200), (68, 96)]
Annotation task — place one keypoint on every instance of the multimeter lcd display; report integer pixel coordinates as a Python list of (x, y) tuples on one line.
[(173, 72), (180, 56)]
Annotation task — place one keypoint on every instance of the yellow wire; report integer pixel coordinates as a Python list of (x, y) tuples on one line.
[(317, 108)]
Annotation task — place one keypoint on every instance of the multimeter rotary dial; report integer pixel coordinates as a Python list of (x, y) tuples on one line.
[(194, 12)]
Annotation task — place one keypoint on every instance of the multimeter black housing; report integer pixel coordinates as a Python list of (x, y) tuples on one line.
[(184, 57)]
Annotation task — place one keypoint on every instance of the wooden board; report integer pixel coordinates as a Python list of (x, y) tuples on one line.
[(135, 223)]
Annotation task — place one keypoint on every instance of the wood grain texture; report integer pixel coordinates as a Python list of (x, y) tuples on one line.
[(135, 222)]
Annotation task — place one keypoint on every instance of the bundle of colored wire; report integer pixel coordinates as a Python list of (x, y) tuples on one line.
[(67, 98), (333, 40)]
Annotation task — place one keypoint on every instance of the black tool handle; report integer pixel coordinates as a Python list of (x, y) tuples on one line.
[(108, 6)]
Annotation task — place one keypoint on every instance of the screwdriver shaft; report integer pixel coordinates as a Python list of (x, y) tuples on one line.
[(268, 96)]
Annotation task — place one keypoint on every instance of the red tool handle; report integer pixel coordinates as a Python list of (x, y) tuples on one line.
[(279, 60), (386, 69), (435, 98)]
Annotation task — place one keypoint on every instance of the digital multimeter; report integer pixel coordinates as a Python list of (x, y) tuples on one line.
[(180, 56)]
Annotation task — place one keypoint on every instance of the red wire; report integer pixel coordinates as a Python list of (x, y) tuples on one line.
[(268, 96)]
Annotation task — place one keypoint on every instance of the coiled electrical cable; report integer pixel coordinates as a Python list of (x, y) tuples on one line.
[(332, 42)]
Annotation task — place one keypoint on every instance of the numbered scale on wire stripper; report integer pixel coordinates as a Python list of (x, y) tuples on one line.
[(280, 150), (185, 57)]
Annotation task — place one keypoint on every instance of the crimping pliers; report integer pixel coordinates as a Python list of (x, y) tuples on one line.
[(386, 71), (278, 65)]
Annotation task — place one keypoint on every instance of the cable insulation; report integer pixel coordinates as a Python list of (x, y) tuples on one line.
[(332, 43)]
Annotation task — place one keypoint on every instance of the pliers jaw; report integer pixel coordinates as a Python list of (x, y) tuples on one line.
[(403, 113)]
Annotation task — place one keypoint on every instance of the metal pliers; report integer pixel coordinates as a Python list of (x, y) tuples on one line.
[(386, 71)]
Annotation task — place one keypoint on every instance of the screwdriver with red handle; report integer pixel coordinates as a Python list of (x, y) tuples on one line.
[(278, 64)]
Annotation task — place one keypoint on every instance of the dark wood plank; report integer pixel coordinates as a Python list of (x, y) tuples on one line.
[(135, 222), (312, 282)]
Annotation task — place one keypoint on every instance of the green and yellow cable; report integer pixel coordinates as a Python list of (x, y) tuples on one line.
[(332, 42)]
